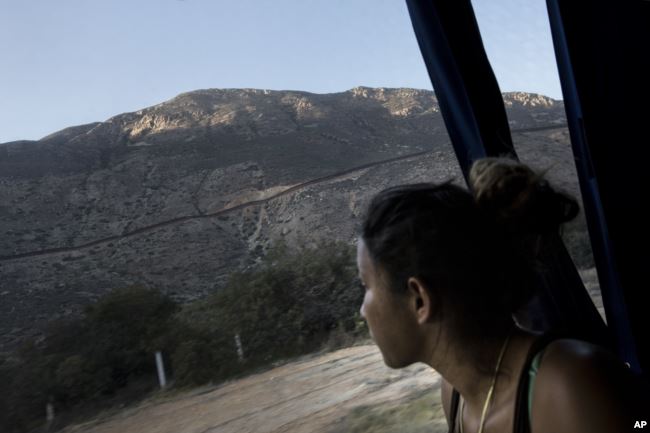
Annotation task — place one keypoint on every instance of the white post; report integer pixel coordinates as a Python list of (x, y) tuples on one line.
[(240, 349), (161, 370), (49, 413)]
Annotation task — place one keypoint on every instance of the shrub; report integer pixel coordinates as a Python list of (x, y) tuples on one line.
[(203, 357), (81, 361), (290, 304), (296, 301)]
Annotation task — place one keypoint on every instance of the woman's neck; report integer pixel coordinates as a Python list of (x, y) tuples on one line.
[(470, 368)]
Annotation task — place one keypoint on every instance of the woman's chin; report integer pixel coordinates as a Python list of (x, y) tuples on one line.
[(396, 362), (390, 363)]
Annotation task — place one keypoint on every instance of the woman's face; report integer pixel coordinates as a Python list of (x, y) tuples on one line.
[(389, 316)]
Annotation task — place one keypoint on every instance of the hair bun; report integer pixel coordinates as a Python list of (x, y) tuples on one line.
[(518, 198)]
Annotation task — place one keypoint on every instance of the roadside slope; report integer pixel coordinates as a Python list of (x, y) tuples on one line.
[(321, 393)]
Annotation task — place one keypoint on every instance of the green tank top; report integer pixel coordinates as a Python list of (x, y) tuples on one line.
[(521, 423), (532, 374)]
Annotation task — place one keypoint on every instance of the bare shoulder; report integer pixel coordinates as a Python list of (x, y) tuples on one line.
[(580, 387), (569, 356)]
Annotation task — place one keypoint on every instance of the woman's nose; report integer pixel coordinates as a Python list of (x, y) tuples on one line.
[(362, 312)]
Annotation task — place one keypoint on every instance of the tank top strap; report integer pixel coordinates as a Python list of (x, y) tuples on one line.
[(453, 410), (522, 415)]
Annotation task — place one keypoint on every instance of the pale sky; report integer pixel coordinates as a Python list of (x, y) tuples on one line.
[(70, 62)]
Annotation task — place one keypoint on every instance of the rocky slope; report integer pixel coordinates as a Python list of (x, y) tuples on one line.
[(179, 195)]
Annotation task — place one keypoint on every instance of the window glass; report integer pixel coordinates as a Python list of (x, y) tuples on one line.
[(517, 39), (181, 187)]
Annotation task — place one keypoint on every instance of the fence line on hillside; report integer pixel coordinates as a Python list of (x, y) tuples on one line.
[(240, 206)]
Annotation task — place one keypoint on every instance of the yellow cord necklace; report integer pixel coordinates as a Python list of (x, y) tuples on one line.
[(488, 399)]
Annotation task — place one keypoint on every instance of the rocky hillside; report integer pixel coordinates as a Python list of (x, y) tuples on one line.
[(179, 195)]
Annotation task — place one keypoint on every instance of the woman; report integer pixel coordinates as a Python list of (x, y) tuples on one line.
[(444, 271)]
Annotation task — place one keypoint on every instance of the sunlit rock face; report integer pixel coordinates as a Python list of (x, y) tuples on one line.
[(179, 195)]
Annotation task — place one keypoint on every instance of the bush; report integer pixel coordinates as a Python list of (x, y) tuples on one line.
[(203, 357), (125, 328), (82, 361), (296, 301), (290, 304)]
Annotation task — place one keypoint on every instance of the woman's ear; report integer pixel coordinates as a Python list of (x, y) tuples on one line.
[(421, 301)]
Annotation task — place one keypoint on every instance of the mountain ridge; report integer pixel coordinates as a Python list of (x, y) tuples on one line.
[(133, 173), (193, 99)]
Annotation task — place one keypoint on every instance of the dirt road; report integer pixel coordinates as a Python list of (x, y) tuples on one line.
[(348, 390)]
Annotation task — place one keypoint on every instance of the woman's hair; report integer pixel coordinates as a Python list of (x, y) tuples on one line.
[(474, 251)]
